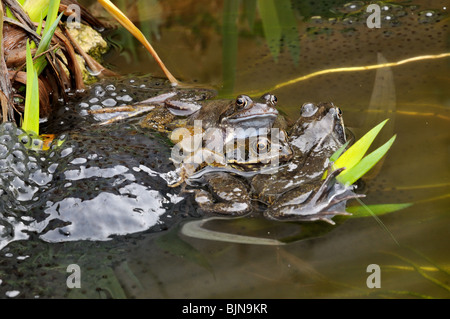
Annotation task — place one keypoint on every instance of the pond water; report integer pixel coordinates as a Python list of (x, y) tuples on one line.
[(112, 178)]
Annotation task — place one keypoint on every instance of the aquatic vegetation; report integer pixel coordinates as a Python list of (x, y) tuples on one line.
[(126, 22), (352, 159), (31, 112)]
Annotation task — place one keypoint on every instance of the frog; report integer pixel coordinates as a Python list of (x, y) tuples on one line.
[(228, 131), (231, 127), (296, 189)]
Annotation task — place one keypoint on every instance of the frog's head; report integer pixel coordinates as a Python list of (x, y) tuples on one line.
[(319, 125), (246, 113)]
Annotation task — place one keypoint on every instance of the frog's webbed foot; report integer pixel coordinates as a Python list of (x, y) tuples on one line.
[(226, 195), (325, 203), (129, 111)]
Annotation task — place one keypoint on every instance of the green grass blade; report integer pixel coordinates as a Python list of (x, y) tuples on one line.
[(338, 153), (349, 176), (378, 209), (9, 14), (48, 33), (36, 9), (271, 26), (51, 16), (31, 112), (356, 152), (378, 220)]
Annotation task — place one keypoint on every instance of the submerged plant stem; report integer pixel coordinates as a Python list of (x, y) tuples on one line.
[(358, 68), (127, 24)]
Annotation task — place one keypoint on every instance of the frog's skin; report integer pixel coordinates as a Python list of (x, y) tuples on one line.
[(315, 136), (296, 190), (244, 112), (226, 127)]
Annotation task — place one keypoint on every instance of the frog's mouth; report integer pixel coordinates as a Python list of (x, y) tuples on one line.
[(260, 117)]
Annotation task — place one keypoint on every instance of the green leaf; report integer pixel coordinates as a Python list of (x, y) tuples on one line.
[(356, 152), (338, 153), (36, 9), (9, 14), (349, 176), (378, 209), (271, 25), (48, 33), (31, 111), (51, 16)]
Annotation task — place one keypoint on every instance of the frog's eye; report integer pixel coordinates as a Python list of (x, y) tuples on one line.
[(308, 109), (241, 102), (339, 112), (262, 146), (270, 98), (273, 99)]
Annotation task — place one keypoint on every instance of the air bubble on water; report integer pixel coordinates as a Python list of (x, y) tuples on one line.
[(83, 104), (109, 102), (96, 107), (93, 100), (110, 87), (22, 257), (127, 98), (99, 91), (41, 178), (353, 6), (52, 168), (19, 155), (66, 151), (427, 16), (12, 293), (92, 156), (9, 255), (3, 150), (78, 160)]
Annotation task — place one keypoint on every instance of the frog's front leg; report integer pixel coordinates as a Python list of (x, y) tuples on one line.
[(310, 203), (226, 195)]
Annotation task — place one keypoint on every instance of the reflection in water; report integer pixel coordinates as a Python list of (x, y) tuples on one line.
[(134, 209)]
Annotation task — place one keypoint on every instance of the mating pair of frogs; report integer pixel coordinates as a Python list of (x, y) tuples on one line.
[(293, 189)]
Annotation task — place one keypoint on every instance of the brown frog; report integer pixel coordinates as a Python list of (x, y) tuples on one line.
[(294, 190)]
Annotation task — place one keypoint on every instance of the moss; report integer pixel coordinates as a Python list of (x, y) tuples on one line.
[(90, 40)]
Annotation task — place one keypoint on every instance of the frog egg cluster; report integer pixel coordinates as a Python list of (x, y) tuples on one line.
[(105, 95), (22, 176), (20, 172), (119, 93)]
